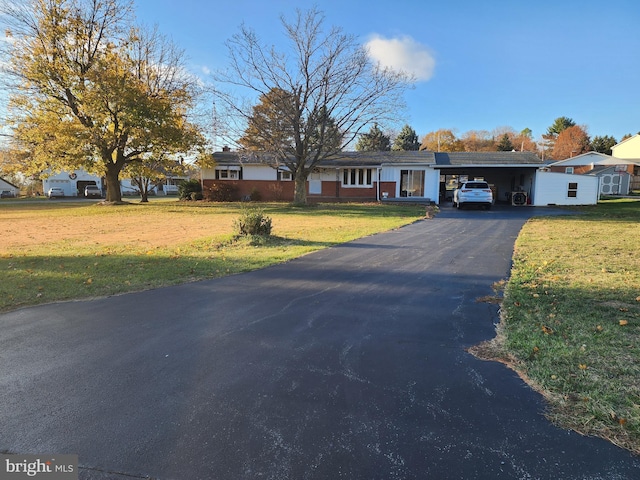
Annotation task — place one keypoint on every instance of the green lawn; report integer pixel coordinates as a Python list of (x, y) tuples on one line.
[(571, 318), (59, 250)]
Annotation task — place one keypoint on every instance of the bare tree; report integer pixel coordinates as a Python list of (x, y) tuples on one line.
[(331, 85)]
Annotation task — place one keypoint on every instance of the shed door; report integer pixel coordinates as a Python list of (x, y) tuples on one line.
[(610, 184)]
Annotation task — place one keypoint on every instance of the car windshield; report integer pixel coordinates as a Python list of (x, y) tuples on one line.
[(476, 185)]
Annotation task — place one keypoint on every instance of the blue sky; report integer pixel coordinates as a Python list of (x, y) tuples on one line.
[(485, 64)]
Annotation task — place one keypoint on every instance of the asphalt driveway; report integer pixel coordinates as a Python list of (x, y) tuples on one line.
[(346, 363)]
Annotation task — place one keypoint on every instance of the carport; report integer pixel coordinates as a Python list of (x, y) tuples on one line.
[(506, 172)]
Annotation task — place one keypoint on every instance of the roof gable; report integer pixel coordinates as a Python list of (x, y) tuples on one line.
[(592, 158)]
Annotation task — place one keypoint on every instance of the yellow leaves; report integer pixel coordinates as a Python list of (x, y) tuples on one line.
[(622, 323), (599, 328), (88, 281), (547, 330), (582, 366)]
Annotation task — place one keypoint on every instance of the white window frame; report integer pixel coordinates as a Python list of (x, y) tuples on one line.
[(228, 173), (357, 177), (285, 175), (568, 170), (572, 190)]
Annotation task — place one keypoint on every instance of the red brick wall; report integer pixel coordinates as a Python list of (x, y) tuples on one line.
[(389, 187), (272, 190)]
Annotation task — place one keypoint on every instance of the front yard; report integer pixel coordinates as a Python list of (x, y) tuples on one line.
[(61, 250)]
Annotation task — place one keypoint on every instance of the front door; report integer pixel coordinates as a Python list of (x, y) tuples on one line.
[(315, 184)]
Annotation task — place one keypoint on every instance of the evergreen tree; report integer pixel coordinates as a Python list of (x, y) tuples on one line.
[(407, 140), (603, 144), (374, 141), (559, 125), (505, 144)]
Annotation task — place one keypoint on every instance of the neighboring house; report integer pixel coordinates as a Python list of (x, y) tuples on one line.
[(71, 183), (402, 176), (615, 174), (168, 186), (629, 149), (9, 187)]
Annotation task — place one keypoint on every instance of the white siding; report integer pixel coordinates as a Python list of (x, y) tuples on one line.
[(4, 185), (431, 179), (551, 188), (630, 148), (259, 172)]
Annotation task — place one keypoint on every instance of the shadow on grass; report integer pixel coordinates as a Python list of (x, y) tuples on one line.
[(36, 279)]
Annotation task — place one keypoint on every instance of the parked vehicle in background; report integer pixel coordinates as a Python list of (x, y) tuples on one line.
[(474, 192), (55, 192), (7, 194), (92, 191)]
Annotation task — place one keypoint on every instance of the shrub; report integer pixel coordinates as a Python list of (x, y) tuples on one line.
[(253, 221), (187, 187), (255, 195), (221, 192)]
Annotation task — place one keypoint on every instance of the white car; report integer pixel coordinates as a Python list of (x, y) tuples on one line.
[(474, 192), (55, 192), (92, 191)]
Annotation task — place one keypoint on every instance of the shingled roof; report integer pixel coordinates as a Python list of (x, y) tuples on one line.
[(342, 159), (374, 159), (487, 158)]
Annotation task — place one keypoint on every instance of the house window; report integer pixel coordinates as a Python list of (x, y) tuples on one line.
[(228, 174), (284, 175), (357, 177), (568, 170), (572, 191), (412, 183)]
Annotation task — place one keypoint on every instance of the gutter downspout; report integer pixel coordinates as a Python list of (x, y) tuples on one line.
[(379, 169)]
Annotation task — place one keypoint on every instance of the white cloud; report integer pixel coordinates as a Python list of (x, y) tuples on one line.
[(206, 70), (403, 54)]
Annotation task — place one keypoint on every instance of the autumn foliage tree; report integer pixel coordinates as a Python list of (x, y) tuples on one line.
[(90, 90), (571, 141), (442, 140)]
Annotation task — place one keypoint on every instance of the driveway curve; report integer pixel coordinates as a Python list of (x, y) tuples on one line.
[(346, 363)]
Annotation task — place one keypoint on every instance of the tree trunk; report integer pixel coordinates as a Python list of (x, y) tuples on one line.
[(114, 194), (300, 190)]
